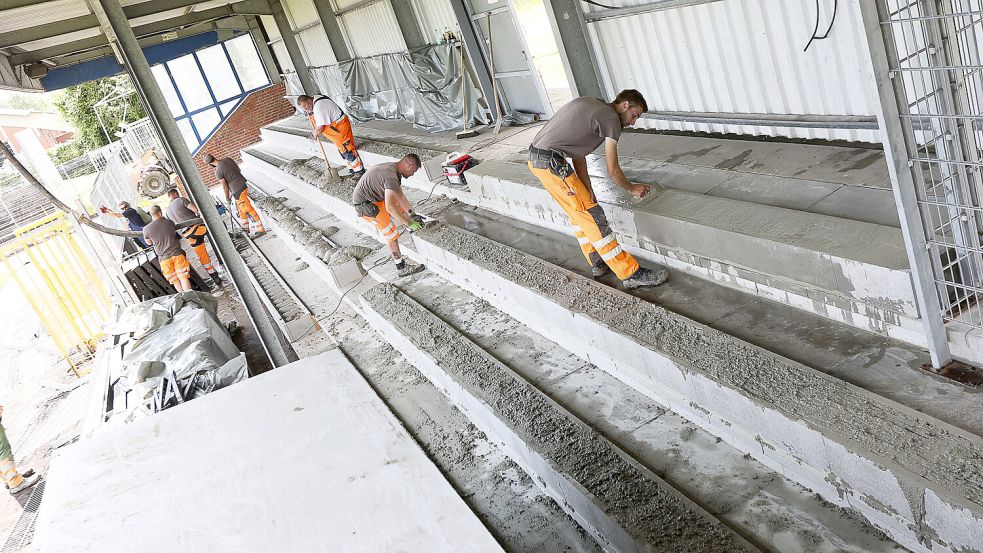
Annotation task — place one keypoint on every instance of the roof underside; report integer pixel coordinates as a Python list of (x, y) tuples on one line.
[(37, 36)]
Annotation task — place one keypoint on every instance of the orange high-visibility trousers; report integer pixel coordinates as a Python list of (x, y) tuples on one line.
[(246, 211), (340, 132), (597, 240), (384, 223), (196, 238), (175, 268)]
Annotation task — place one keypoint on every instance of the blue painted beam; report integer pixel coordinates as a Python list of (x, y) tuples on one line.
[(63, 77)]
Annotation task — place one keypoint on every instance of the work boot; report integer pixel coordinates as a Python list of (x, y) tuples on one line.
[(217, 280), (598, 270), (645, 277), (404, 269), (27, 482), (259, 233)]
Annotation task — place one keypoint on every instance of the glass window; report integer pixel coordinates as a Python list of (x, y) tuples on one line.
[(227, 107), (190, 83), (247, 63), (164, 82), (184, 125), (218, 72), (206, 121)]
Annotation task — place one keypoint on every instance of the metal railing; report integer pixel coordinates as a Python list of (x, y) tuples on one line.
[(140, 136), (933, 110)]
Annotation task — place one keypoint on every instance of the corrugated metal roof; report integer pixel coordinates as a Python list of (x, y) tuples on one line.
[(42, 13), (435, 16), (373, 30)]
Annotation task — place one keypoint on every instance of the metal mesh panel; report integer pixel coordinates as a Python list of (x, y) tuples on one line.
[(112, 187), (138, 137), (936, 58)]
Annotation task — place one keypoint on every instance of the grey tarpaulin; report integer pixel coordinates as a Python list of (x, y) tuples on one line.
[(423, 87), (177, 336)]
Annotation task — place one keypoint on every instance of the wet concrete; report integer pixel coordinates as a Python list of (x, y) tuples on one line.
[(651, 513), (927, 448)]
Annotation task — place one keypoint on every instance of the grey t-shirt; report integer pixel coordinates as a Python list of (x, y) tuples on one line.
[(178, 210), (374, 183), (163, 234), (228, 170), (579, 127)]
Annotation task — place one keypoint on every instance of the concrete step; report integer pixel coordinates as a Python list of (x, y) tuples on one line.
[(761, 505), (810, 261)]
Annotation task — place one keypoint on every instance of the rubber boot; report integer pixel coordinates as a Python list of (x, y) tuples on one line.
[(645, 277)]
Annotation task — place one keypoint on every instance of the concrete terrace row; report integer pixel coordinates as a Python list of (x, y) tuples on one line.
[(847, 270), (907, 473)]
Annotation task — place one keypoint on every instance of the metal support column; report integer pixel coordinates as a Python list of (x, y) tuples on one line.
[(475, 52), (579, 62), (120, 35), (408, 24), (329, 23), (263, 47), (893, 136), (293, 49)]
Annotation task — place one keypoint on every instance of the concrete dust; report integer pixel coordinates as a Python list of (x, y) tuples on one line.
[(930, 449), (647, 510)]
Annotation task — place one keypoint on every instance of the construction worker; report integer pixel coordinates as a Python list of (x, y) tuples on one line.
[(235, 186), (161, 233), (182, 209), (379, 198), (576, 130), (136, 218), (16, 482), (328, 120)]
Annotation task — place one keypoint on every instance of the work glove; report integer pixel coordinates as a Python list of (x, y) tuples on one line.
[(103, 209), (414, 225)]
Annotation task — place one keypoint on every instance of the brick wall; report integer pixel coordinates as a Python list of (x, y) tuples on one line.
[(241, 129)]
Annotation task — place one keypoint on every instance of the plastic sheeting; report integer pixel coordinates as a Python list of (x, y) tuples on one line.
[(178, 337), (423, 87)]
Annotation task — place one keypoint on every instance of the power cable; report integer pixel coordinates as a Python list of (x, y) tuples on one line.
[(599, 5), (814, 36)]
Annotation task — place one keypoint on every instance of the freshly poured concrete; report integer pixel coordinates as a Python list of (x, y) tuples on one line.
[(270, 464), (893, 462), (810, 530)]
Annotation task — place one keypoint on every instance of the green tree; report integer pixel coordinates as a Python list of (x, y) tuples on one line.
[(77, 105), (35, 102)]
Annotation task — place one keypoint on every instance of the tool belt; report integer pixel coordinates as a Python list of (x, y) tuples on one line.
[(367, 209), (548, 159)]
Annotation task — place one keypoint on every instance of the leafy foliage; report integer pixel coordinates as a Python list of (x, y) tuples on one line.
[(36, 102), (77, 105), (65, 152)]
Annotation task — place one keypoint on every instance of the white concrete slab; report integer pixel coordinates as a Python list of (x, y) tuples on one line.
[(303, 458)]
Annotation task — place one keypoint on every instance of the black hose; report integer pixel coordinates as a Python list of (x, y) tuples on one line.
[(815, 36)]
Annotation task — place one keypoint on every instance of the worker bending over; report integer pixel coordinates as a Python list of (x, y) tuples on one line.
[(14, 480), (235, 186), (162, 234), (379, 198), (328, 120), (136, 218), (576, 130), (181, 210)]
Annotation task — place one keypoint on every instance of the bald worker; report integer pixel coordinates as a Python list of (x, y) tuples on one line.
[(181, 210), (379, 199), (161, 233), (576, 130)]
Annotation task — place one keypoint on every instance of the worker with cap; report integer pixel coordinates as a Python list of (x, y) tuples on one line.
[(136, 218), (235, 186), (161, 233), (15, 481), (182, 209), (329, 121), (574, 131), (379, 198)]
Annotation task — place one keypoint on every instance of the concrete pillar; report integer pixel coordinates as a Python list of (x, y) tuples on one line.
[(263, 47), (329, 22), (124, 42), (570, 32), (408, 24), (293, 49)]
